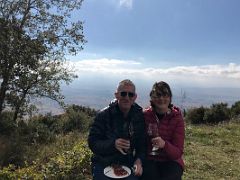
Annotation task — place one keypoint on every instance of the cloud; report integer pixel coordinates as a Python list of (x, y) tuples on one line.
[(126, 3), (104, 65), (121, 3), (206, 75)]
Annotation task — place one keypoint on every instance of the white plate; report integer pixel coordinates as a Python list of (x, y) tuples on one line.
[(108, 171)]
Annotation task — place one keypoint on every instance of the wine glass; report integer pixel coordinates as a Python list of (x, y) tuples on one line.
[(131, 130), (128, 134), (152, 131)]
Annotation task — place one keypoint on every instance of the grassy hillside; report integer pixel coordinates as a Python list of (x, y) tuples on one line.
[(211, 152)]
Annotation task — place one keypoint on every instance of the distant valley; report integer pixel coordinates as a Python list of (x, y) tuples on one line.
[(97, 96)]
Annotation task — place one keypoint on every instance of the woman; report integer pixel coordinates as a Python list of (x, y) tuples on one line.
[(165, 144)]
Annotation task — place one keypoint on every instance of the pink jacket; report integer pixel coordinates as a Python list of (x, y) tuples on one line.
[(171, 130)]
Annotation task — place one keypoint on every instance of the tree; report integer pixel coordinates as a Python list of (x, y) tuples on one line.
[(35, 36)]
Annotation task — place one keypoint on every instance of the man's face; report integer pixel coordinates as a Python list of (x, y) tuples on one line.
[(126, 97)]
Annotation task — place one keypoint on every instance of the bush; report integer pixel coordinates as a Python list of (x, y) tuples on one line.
[(74, 164), (217, 113), (195, 115), (53, 123), (7, 124), (35, 131), (14, 152), (26, 135), (90, 112), (77, 119), (21, 141), (235, 109)]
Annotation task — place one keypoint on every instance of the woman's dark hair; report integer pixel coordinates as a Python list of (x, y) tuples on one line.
[(161, 88)]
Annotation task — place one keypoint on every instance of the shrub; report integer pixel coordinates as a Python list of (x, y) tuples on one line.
[(7, 124), (195, 115), (35, 131), (77, 119), (53, 123), (21, 141), (14, 151), (235, 109), (73, 164), (90, 112), (217, 113)]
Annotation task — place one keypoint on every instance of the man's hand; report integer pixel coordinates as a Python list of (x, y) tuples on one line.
[(122, 145), (138, 168)]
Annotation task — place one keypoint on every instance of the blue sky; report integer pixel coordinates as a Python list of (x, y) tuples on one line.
[(189, 42)]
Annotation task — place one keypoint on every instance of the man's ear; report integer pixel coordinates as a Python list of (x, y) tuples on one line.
[(135, 97)]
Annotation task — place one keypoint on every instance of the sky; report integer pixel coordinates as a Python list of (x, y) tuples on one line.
[(184, 42)]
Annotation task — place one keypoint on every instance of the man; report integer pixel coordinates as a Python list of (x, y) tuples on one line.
[(108, 139)]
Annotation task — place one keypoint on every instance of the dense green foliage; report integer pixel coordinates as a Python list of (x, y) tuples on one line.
[(40, 130), (7, 124), (195, 115), (215, 114), (72, 164), (235, 109)]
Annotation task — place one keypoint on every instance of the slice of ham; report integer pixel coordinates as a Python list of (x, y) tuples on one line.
[(119, 170)]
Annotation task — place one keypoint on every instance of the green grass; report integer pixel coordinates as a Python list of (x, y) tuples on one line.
[(212, 152)]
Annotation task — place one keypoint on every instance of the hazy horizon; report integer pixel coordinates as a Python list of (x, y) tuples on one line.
[(97, 94)]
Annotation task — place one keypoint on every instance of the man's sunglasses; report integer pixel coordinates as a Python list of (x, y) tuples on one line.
[(124, 94)]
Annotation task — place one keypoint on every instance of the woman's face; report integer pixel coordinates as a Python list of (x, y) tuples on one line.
[(161, 102)]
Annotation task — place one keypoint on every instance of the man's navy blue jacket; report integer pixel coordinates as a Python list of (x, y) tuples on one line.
[(108, 126)]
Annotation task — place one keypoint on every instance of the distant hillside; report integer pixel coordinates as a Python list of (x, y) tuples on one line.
[(98, 97)]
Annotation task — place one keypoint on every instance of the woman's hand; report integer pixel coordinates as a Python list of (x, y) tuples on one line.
[(158, 142)]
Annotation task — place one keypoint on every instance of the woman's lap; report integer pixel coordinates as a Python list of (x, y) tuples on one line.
[(154, 170)]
